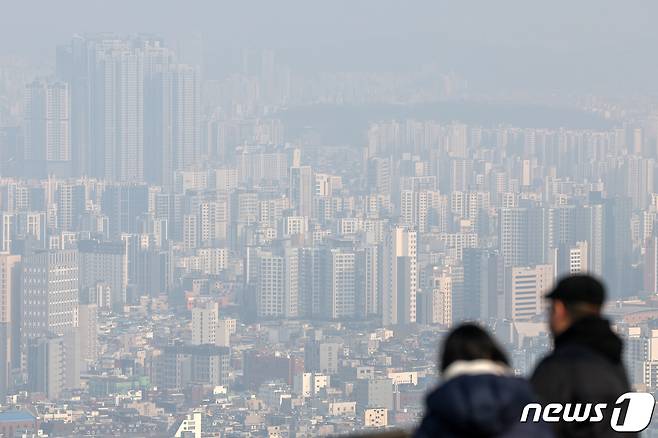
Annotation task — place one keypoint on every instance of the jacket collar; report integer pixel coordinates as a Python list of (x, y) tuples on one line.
[(592, 332), (472, 367)]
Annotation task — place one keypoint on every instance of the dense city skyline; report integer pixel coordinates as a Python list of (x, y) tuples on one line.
[(265, 245)]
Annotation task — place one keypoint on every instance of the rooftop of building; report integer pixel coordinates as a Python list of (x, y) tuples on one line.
[(12, 416)]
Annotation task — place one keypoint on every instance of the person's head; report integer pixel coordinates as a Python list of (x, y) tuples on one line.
[(573, 298), (470, 342)]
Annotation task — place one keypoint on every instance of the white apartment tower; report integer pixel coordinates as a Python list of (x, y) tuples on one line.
[(338, 285), (399, 277), (204, 324), (277, 285), (50, 293)]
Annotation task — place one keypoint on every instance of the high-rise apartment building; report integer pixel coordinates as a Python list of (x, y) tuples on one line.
[(213, 222), (437, 300), (338, 283), (50, 284), (123, 204), (590, 228), (47, 128), (399, 277), (483, 284), (70, 200), (9, 318), (128, 99), (88, 332), (368, 280), (302, 188), (572, 259), (416, 208), (106, 263), (277, 283), (47, 365), (204, 324), (522, 235), (172, 120), (379, 175)]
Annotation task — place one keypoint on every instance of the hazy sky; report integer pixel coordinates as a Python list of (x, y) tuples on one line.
[(563, 44)]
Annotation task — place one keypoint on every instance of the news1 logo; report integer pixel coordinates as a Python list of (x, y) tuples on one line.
[(631, 412)]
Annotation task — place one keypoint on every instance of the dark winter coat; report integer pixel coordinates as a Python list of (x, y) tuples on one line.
[(480, 405), (585, 367)]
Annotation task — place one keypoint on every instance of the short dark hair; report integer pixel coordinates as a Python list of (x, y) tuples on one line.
[(470, 342)]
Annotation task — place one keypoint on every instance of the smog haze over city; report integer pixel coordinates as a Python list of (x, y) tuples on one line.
[(261, 219)]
